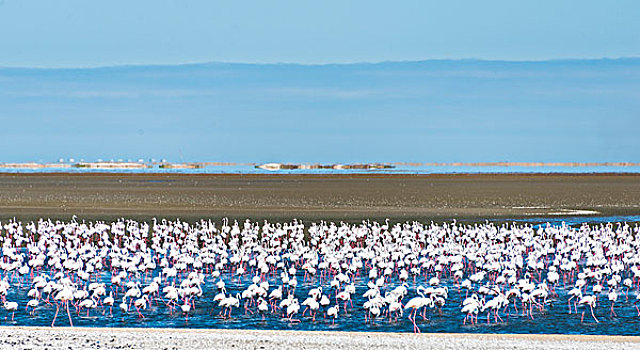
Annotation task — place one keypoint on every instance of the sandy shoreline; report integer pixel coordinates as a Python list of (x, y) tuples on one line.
[(137, 338)]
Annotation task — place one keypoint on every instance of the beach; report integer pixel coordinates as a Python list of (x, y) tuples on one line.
[(136, 338), (348, 197)]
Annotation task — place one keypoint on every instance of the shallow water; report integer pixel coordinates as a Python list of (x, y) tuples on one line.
[(555, 319)]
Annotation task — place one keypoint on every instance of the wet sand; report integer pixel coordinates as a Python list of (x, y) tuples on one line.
[(314, 197), (135, 338)]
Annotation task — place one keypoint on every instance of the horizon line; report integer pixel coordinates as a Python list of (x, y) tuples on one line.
[(284, 63), (504, 163)]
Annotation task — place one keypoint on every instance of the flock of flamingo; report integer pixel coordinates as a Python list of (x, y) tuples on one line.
[(318, 273)]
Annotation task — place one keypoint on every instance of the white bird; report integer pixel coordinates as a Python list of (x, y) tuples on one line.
[(11, 306)]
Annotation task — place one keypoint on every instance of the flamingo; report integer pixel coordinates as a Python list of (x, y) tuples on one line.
[(613, 297), (33, 303), (333, 313), (64, 296), (415, 304), (11, 306), (589, 300), (293, 309)]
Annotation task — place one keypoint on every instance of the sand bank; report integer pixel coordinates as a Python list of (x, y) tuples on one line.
[(121, 338)]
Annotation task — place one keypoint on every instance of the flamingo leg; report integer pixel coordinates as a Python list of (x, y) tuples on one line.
[(592, 314), (612, 311), (69, 314), (56, 315)]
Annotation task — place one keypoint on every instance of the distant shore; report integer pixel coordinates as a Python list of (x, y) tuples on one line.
[(158, 338), (301, 166), (348, 197)]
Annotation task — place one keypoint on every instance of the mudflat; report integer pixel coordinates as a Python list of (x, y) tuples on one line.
[(348, 197)]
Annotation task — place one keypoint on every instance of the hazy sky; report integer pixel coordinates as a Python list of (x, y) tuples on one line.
[(422, 111), (47, 33)]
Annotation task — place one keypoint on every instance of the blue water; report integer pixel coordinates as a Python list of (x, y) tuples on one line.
[(554, 319), (403, 169)]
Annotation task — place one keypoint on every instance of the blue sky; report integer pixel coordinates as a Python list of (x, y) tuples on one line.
[(80, 33), (461, 80)]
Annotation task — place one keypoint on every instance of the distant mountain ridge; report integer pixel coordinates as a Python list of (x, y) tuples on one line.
[(427, 62)]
